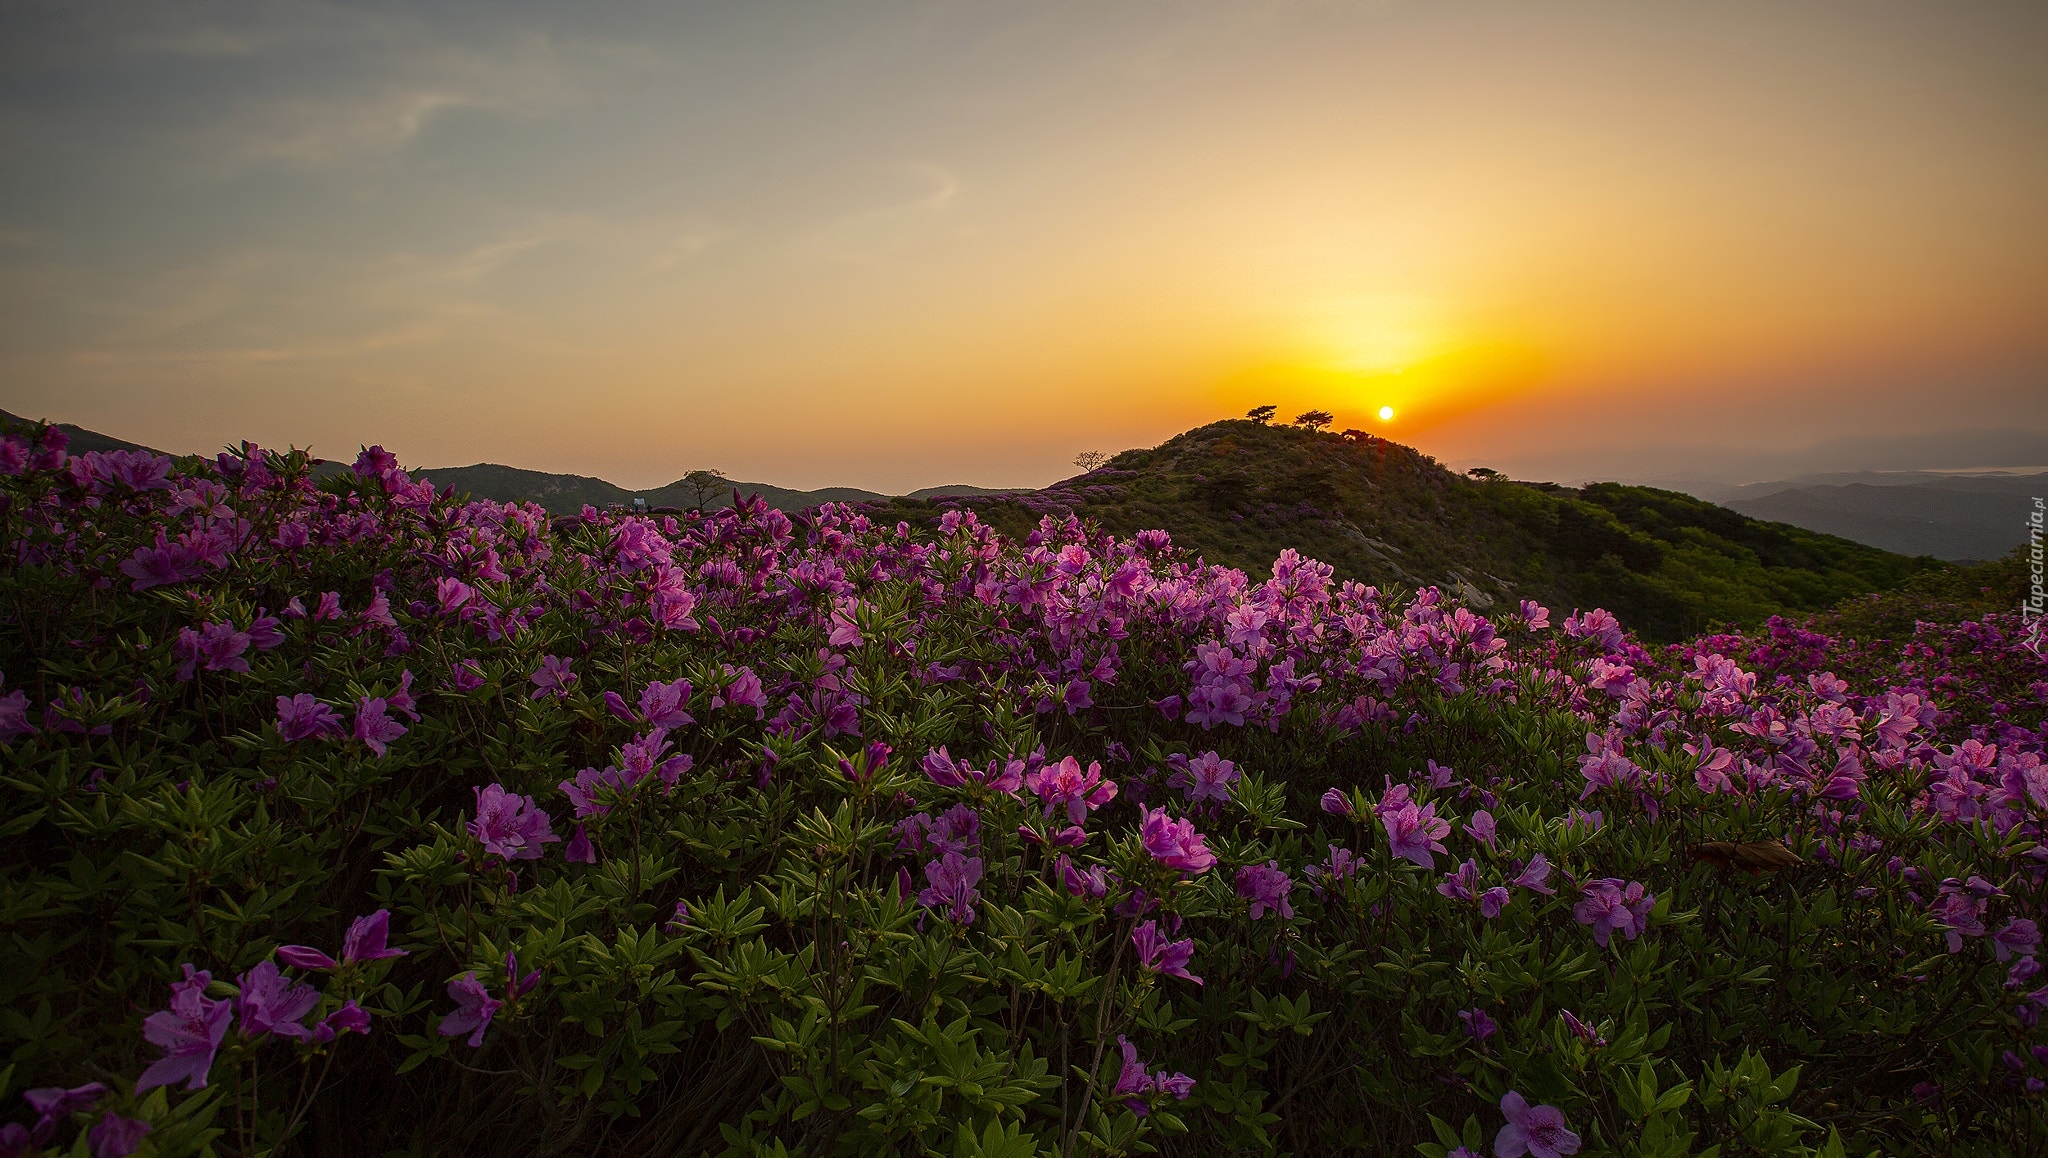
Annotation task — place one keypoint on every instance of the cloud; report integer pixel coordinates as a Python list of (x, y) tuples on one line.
[(878, 231)]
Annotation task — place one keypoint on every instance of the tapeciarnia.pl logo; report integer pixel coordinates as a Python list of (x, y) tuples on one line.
[(2031, 607)]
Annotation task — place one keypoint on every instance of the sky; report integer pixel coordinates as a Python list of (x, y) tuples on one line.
[(897, 244)]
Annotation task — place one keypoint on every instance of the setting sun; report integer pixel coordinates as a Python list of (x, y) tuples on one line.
[(1386, 413)]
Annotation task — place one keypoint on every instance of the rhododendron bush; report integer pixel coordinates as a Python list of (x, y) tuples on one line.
[(342, 816)]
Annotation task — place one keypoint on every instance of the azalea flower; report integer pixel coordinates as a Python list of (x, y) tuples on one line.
[(1174, 843), (1537, 1130), (1160, 955), (509, 825), (302, 717), (474, 1007), (189, 1033)]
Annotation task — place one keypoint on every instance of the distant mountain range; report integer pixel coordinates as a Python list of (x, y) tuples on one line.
[(1946, 515), (569, 493)]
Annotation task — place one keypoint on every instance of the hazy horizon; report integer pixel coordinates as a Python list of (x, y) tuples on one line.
[(907, 244)]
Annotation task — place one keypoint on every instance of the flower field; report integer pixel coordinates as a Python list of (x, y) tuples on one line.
[(343, 817)]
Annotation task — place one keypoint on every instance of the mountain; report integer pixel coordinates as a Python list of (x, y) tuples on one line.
[(1956, 517), (1237, 492), (565, 494), (83, 441), (1668, 564)]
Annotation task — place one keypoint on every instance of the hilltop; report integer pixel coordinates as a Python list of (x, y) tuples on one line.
[(1668, 564), (1238, 493)]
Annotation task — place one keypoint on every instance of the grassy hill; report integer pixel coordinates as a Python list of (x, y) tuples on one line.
[(1669, 564)]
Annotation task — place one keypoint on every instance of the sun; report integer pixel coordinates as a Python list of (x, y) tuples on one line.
[(1386, 414)]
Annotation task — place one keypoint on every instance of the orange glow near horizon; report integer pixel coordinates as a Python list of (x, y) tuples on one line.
[(888, 253)]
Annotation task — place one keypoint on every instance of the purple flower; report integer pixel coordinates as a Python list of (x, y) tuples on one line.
[(374, 727), (508, 825), (1610, 905), (1065, 785), (51, 1104), (213, 647), (517, 986), (1478, 1023), (552, 678), (1537, 1130), (1536, 876), (14, 719), (1093, 883), (189, 1033), (579, 850), (466, 676), (1209, 777), (1133, 1083), (1174, 843), (350, 1018), (1266, 887), (953, 878), (364, 941), (1337, 803), (273, 1003), (1416, 832), (1481, 828), (474, 1007), (1160, 955), (1581, 1030), (303, 717), (2018, 938), (116, 1136), (662, 704)]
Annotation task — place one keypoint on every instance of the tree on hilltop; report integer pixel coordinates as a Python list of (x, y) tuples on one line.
[(1090, 460), (1261, 414), (1314, 419), (705, 485), (1485, 473)]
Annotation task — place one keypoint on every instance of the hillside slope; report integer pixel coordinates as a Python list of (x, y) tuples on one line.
[(1669, 564), (1960, 518)]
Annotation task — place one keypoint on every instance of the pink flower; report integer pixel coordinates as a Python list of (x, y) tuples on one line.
[(1209, 777), (2018, 937), (1064, 785), (1160, 955), (508, 824), (1536, 876), (272, 1003), (474, 1007), (1093, 883), (953, 878), (1537, 1130), (364, 941), (1174, 843), (1414, 833), (1266, 887), (1611, 905), (374, 727), (552, 678), (302, 717), (117, 1137), (189, 1033), (1481, 828)]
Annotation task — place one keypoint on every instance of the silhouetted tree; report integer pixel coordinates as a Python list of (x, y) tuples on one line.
[(704, 485), (1090, 460), (1261, 414), (1356, 435), (1485, 473), (1314, 419)]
